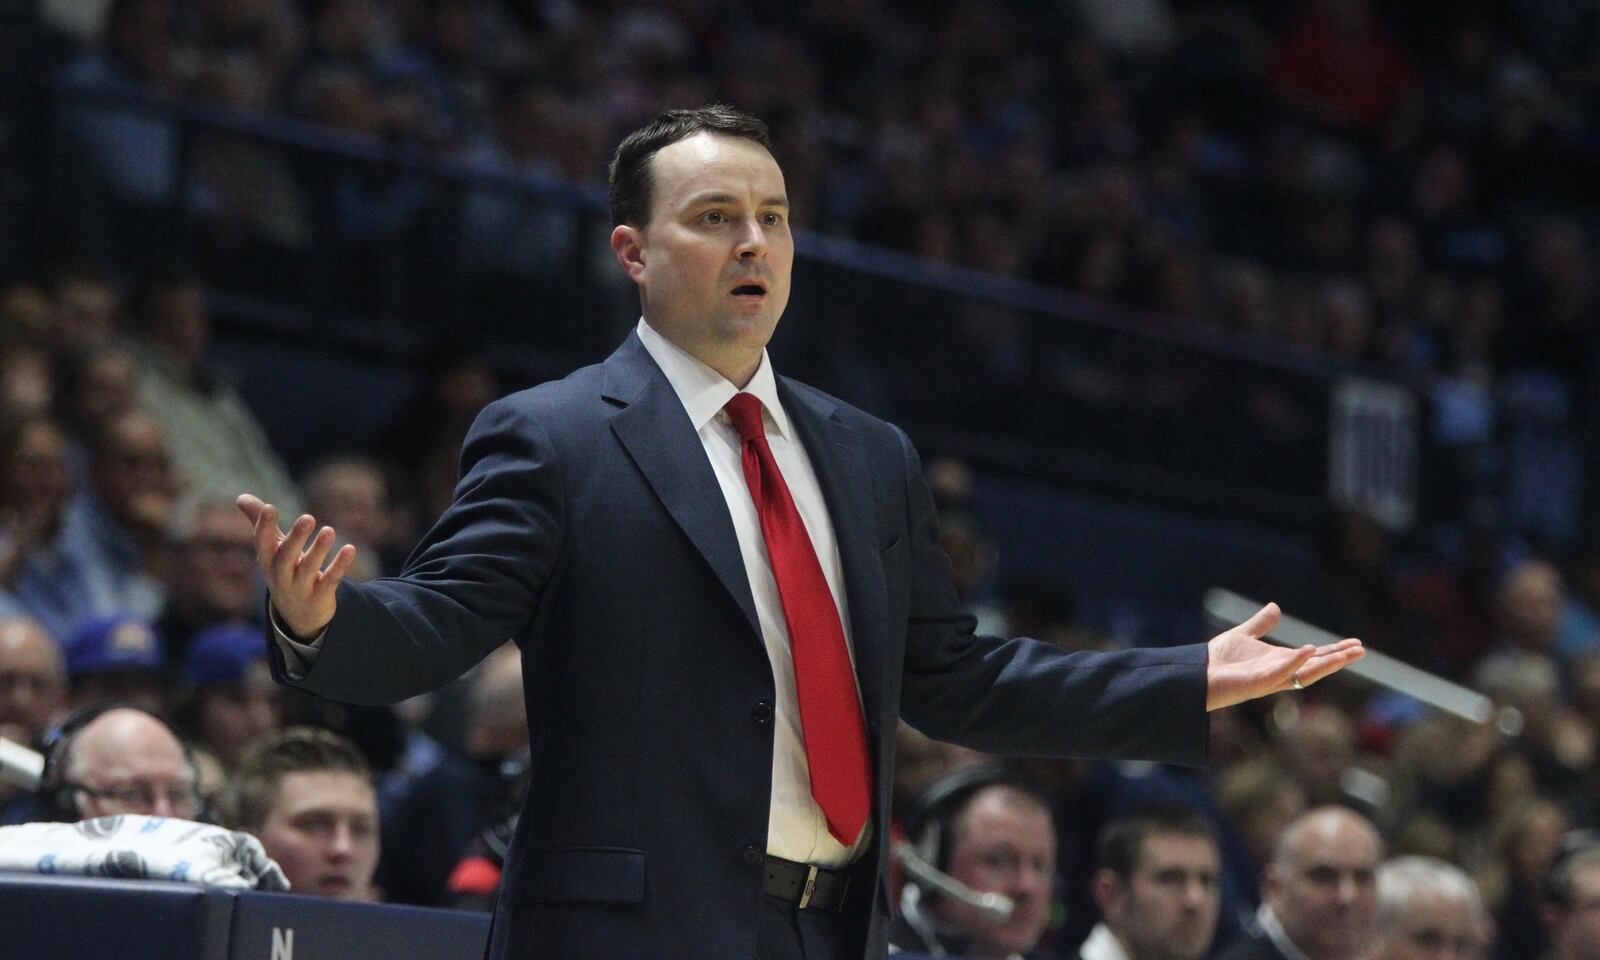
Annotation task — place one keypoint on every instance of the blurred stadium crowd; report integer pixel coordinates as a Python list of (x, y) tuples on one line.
[(1403, 189)]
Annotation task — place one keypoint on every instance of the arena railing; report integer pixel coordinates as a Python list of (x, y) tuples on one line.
[(387, 250)]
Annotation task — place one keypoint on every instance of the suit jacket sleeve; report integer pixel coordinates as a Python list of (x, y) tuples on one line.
[(1026, 697), (471, 585)]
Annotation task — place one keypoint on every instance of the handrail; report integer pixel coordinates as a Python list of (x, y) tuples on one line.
[(845, 253)]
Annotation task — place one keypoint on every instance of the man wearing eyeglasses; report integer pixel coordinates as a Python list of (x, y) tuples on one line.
[(125, 761)]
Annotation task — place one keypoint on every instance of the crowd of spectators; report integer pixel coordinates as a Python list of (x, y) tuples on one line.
[(1374, 183), (1400, 188), (128, 577)]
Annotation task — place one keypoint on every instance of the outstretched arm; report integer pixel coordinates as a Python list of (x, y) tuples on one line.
[(1241, 665), (302, 590)]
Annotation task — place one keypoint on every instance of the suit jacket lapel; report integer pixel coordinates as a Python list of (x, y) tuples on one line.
[(836, 453), (657, 434)]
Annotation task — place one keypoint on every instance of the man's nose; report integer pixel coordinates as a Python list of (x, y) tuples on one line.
[(1031, 881), (340, 847), (752, 240), (161, 804)]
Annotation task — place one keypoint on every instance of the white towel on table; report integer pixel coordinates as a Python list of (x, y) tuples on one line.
[(134, 847)]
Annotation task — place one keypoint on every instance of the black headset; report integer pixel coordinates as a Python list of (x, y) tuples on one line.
[(55, 799), (928, 824)]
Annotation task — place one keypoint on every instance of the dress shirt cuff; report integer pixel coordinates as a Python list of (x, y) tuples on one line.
[(298, 657)]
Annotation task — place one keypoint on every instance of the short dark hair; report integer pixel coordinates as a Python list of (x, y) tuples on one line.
[(1122, 840), (631, 176), (293, 750)]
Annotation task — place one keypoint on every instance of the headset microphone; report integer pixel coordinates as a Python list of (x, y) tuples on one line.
[(995, 906)]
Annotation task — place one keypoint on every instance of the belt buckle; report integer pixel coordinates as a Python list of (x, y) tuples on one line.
[(810, 887)]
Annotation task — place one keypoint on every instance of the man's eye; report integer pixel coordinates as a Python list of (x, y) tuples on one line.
[(315, 823), (714, 216), (772, 219)]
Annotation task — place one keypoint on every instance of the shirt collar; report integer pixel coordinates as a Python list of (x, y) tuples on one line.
[(1102, 945), (1273, 928), (703, 391)]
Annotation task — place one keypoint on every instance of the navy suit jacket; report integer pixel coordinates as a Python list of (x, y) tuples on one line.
[(589, 527)]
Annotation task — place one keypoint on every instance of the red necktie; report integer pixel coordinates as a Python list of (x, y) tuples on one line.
[(830, 715)]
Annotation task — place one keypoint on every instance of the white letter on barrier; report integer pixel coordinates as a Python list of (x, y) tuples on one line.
[(282, 943)]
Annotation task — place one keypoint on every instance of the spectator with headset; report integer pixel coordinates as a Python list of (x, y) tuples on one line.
[(991, 831), (1156, 887), (110, 758)]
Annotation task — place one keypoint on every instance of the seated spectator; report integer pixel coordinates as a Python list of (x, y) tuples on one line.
[(32, 684), (1316, 751), (1156, 887), (131, 151), (96, 384), (35, 488), (32, 680), (1261, 800), (1319, 892), (117, 658), (230, 699), (218, 446), (1573, 900), (84, 311), (113, 759), (1428, 908), (112, 547), (307, 794), (351, 495), (214, 578), (993, 832), (431, 823)]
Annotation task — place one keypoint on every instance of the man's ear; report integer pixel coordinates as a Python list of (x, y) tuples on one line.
[(1108, 893), (627, 243), (1271, 883)]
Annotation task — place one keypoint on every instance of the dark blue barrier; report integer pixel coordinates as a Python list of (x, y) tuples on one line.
[(73, 918)]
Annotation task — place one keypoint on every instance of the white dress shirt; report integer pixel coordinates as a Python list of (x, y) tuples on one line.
[(1273, 928), (1102, 945), (796, 827)]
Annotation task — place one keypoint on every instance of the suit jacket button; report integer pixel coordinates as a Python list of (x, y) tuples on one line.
[(762, 713), (751, 856)]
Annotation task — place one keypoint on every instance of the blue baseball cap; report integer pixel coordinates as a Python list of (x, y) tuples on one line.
[(223, 654), (117, 644)]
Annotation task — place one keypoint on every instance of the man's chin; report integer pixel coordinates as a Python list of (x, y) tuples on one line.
[(340, 888)]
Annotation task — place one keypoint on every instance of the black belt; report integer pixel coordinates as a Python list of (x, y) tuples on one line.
[(806, 886)]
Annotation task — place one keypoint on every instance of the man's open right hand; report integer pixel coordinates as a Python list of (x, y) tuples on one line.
[(302, 590)]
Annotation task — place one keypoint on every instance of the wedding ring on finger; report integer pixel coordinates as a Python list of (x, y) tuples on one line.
[(1294, 681)]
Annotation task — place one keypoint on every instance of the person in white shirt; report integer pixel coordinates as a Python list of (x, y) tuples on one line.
[(1156, 887), (1319, 893)]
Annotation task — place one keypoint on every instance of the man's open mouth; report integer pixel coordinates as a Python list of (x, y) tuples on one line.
[(750, 290)]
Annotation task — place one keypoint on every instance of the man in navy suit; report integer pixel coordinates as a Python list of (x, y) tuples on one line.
[(726, 591)]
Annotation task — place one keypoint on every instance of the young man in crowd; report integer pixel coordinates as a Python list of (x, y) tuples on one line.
[(1156, 887), (307, 794)]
